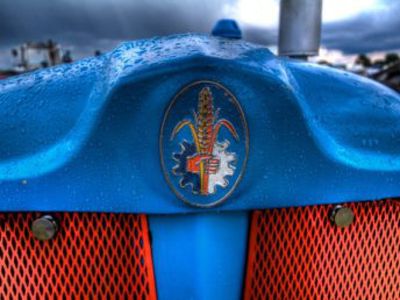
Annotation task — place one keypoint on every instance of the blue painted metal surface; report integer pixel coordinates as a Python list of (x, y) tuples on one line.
[(84, 137), (199, 256), (227, 28)]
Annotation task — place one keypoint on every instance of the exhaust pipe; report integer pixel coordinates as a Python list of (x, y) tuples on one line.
[(300, 28)]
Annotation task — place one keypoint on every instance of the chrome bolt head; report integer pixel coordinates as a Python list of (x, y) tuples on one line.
[(44, 228), (342, 216)]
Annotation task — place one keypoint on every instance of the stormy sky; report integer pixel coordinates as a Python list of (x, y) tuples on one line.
[(352, 26)]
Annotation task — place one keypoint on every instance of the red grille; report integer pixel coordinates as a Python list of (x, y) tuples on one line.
[(93, 255), (296, 253)]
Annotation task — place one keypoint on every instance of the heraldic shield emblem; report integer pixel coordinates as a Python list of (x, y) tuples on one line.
[(204, 143)]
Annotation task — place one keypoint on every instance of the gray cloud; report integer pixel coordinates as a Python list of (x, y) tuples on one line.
[(264, 36), (367, 32), (75, 21), (85, 25)]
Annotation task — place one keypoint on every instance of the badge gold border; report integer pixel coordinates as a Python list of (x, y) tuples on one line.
[(247, 137)]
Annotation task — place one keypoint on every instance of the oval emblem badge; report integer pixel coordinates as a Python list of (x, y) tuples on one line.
[(204, 143)]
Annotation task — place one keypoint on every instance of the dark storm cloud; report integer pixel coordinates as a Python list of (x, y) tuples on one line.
[(260, 35), (375, 30), (87, 21), (371, 31), (86, 25)]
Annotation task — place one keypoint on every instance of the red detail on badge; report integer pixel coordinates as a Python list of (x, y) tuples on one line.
[(210, 164), (204, 131)]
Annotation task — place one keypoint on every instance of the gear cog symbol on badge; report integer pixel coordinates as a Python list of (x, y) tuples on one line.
[(218, 167), (204, 143)]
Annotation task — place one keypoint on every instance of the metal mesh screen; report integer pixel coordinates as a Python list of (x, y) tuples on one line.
[(92, 256), (296, 253)]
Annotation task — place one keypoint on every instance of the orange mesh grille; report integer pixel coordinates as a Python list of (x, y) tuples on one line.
[(297, 253), (93, 255)]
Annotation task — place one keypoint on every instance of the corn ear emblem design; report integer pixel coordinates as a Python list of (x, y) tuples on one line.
[(204, 143), (205, 163)]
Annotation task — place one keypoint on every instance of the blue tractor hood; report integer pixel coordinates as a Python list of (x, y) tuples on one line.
[(86, 136)]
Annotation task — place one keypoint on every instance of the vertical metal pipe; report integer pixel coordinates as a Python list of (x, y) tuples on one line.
[(300, 28)]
